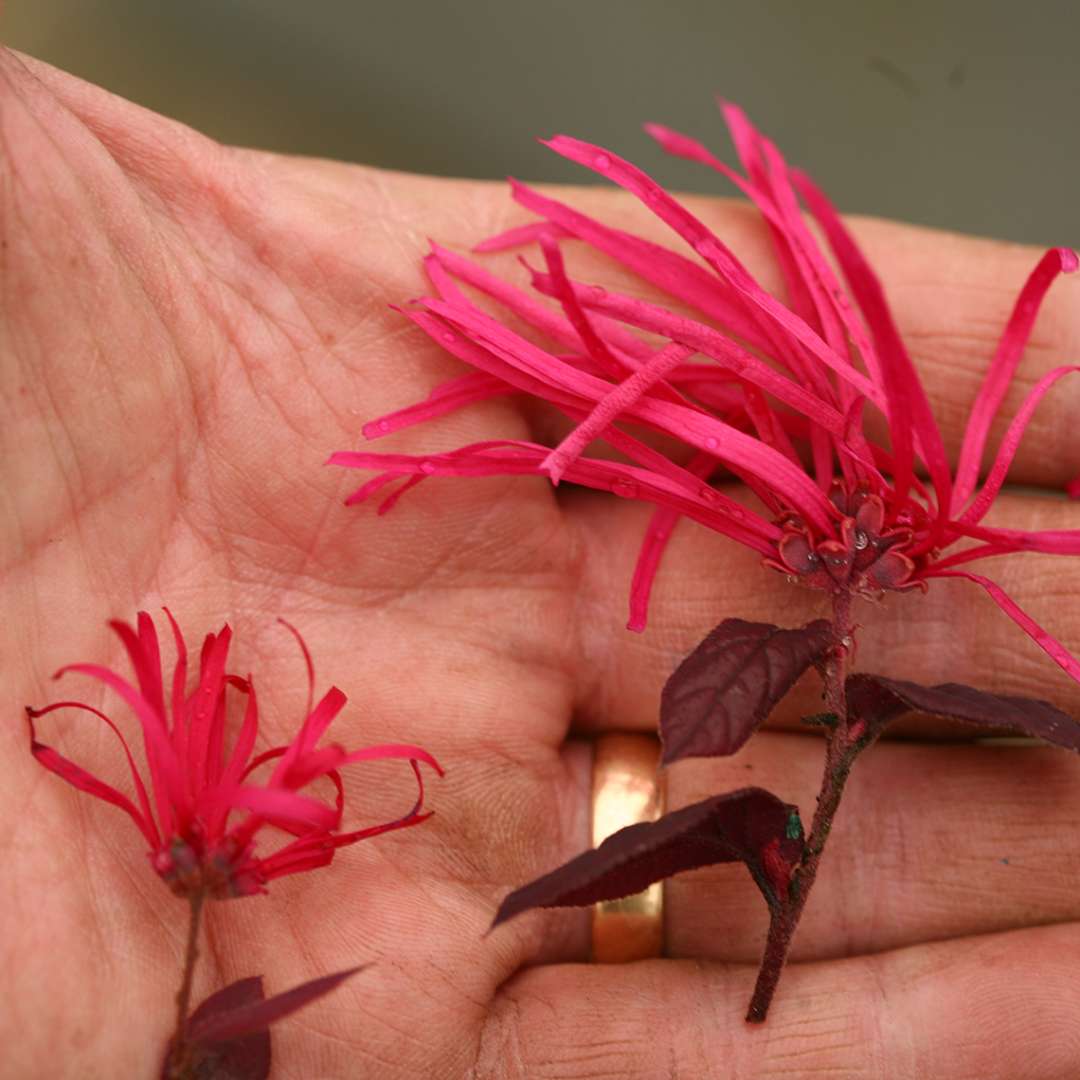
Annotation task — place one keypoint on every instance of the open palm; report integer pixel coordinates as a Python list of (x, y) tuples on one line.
[(186, 333)]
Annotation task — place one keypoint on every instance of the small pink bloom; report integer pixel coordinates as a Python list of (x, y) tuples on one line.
[(203, 813), (752, 385)]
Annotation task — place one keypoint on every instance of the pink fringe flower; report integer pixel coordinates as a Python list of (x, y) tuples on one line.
[(743, 387), (203, 813)]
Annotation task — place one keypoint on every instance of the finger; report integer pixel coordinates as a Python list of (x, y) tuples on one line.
[(931, 842), (952, 634), (996, 1008)]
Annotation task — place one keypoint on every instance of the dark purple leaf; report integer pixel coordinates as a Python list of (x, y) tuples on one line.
[(246, 1057), (751, 825), (728, 685), (878, 700), (257, 1015)]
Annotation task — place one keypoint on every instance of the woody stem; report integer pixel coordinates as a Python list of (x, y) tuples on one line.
[(843, 746), (180, 1058)]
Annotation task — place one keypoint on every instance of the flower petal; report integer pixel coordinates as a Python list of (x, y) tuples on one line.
[(84, 781), (711, 343), (706, 504), (165, 774), (1046, 641), (206, 712), (527, 308), (1009, 443), (608, 408), (675, 274), (711, 249), (1003, 366), (909, 412), (657, 534), (274, 804), (443, 400), (315, 724)]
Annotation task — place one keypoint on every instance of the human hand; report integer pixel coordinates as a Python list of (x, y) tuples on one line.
[(188, 331)]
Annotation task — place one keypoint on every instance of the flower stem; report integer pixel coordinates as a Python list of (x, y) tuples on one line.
[(181, 1052), (843, 746)]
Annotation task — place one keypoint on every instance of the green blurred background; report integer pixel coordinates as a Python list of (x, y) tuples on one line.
[(956, 114)]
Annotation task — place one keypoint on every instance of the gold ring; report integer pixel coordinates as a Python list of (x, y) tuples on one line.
[(626, 789)]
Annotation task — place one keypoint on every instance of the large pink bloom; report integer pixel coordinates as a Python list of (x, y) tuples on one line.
[(203, 813), (755, 386)]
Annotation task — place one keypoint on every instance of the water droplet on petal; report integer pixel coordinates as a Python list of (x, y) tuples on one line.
[(861, 540), (704, 247), (597, 292), (711, 443), (427, 467), (707, 493), (625, 489), (602, 161), (383, 425)]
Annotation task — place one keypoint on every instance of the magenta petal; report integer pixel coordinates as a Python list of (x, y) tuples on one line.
[(1046, 641), (528, 308), (705, 504), (519, 235), (711, 343), (443, 400), (564, 292), (547, 377), (145, 656), (1010, 442), (287, 806), (773, 173), (680, 145), (392, 750), (214, 807), (908, 406), (84, 781), (309, 852), (675, 274), (406, 822), (710, 248), (313, 728), (161, 758), (657, 534), (608, 408), (205, 713), (1003, 366), (179, 688)]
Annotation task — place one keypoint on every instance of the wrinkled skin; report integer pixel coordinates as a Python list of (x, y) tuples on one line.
[(186, 333)]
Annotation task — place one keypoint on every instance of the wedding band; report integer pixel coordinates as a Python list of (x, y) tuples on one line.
[(626, 789)]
